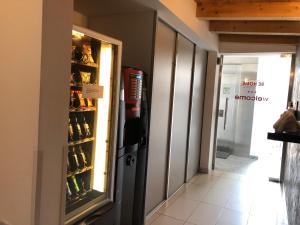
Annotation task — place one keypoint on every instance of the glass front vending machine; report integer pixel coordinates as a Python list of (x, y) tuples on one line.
[(92, 128)]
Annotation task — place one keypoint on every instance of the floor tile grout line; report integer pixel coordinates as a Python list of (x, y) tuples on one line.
[(192, 212), (154, 220), (230, 210), (217, 220), (198, 203), (172, 218)]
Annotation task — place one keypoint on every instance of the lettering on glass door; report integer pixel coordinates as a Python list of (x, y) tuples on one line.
[(251, 87)]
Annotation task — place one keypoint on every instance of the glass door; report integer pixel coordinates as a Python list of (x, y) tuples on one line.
[(253, 94), (92, 123)]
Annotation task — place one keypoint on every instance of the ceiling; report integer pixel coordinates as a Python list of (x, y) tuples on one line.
[(107, 7), (233, 18), (251, 17)]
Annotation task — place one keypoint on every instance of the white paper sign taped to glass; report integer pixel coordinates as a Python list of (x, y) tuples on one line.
[(92, 91)]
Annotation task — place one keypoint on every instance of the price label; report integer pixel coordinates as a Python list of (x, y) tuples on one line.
[(92, 91)]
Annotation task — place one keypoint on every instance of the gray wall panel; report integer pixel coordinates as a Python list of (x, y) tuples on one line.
[(183, 74), (160, 112), (196, 113), (137, 38)]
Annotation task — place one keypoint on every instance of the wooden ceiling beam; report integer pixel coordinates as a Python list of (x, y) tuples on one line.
[(235, 1), (256, 27), (259, 39), (248, 10)]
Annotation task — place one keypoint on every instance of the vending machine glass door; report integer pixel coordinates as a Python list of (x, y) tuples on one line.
[(93, 111)]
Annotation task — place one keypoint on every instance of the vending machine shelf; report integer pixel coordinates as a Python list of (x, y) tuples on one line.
[(82, 199), (94, 65), (89, 109), (79, 171), (85, 140)]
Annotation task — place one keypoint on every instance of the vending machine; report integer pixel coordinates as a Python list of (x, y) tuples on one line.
[(132, 148), (142, 156), (92, 131)]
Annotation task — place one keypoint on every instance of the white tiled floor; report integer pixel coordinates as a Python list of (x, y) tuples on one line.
[(224, 198)]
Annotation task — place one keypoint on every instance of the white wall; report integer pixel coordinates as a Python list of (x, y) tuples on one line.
[(181, 15), (54, 110), (21, 31), (35, 64), (209, 113), (274, 70), (185, 10)]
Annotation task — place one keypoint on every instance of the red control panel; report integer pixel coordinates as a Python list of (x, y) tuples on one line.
[(133, 81)]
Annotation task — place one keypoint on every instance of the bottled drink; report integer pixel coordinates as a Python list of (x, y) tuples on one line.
[(68, 165), (70, 131), (86, 180), (69, 192), (86, 127), (78, 129), (81, 185), (82, 158), (71, 187), (73, 160), (76, 186)]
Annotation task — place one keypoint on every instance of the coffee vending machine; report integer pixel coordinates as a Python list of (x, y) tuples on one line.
[(132, 148)]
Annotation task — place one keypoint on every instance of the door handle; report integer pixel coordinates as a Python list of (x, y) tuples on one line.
[(225, 115)]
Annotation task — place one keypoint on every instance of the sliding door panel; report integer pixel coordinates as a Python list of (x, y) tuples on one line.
[(181, 102), (196, 112), (160, 115)]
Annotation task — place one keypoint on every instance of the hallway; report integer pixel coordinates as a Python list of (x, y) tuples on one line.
[(225, 198)]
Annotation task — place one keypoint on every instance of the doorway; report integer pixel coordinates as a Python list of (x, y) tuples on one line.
[(253, 94)]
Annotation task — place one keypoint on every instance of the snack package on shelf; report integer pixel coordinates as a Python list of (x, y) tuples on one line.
[(85, 77), (82, 101), (87, 54)]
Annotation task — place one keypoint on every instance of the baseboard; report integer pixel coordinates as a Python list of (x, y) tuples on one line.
[(204, 170), (156, 209)]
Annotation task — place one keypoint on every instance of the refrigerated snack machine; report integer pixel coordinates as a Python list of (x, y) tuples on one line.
[(92, 130), (106, 159)]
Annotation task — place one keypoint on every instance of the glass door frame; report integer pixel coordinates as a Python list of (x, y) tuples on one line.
[(116, 74), (219, 71), (289, 99)]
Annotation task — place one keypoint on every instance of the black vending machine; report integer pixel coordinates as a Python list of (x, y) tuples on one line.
[(132, 148)]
